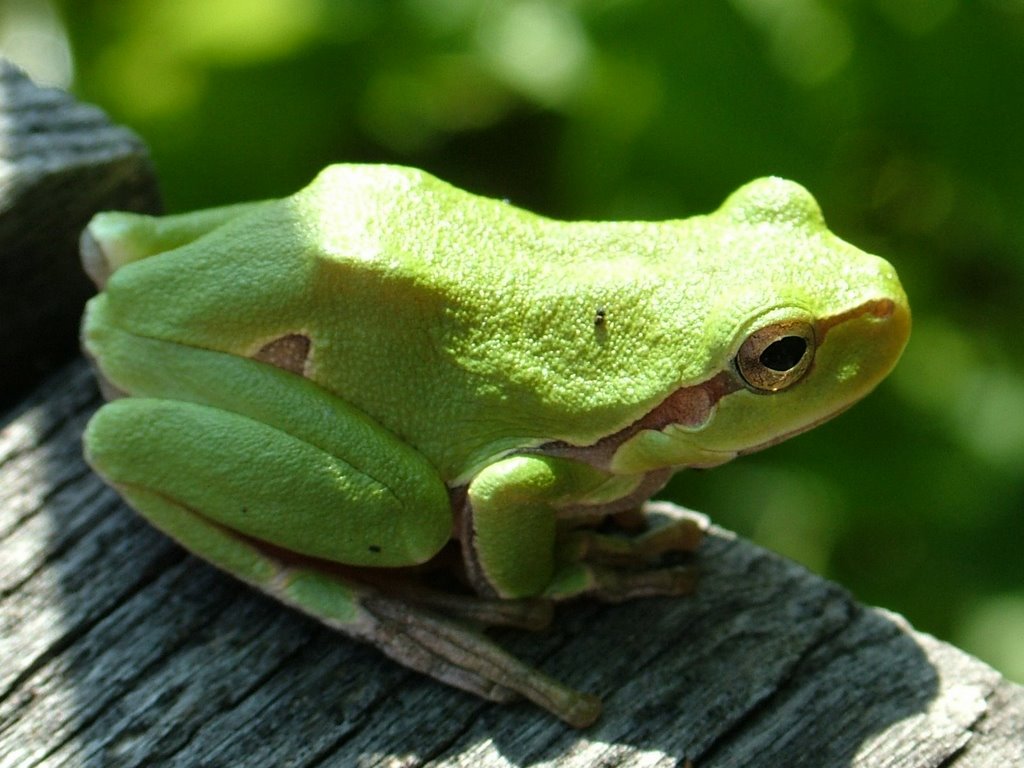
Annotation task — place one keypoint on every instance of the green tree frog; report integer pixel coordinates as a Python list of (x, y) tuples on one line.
[(412, 412)]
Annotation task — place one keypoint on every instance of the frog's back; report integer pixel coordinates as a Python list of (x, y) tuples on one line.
[(470, 327), (464, 324), (510, 325)]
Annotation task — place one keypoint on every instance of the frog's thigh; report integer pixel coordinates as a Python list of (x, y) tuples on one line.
[(246, 476)]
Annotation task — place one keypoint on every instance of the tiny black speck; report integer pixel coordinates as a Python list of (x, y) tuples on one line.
[(374, 548), (599, 316)]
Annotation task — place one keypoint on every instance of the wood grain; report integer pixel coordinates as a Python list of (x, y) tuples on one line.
[(119, 649), (60, 162)]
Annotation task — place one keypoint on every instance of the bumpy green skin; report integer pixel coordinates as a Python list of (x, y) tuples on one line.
[(466, 326), (452, 342)]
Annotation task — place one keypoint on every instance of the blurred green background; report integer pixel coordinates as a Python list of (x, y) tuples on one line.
[(905, 119)]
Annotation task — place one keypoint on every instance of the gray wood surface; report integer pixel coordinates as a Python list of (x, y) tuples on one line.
[(118, 649), (60, 162)]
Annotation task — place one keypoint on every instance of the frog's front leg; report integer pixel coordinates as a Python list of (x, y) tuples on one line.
[(521, 534)]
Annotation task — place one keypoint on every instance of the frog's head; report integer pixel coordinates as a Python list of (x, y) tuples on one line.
[(805, 325)]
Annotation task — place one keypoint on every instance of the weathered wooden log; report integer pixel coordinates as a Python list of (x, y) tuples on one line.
[(60, 162), (119, 649)]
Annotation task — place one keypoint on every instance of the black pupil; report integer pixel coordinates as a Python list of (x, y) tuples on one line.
[(783, 354)]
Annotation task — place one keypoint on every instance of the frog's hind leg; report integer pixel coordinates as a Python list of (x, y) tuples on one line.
[(412, 635), (287, 487)]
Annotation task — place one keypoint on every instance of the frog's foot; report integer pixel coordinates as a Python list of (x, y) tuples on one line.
[(447, 650), (464, 658), (617, 567), (527, 613), (617, 585), (669, 529)]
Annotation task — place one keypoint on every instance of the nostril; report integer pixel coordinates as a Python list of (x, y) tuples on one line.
[(883, 308)]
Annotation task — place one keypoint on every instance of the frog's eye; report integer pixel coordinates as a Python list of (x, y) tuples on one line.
[(776, 356)]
